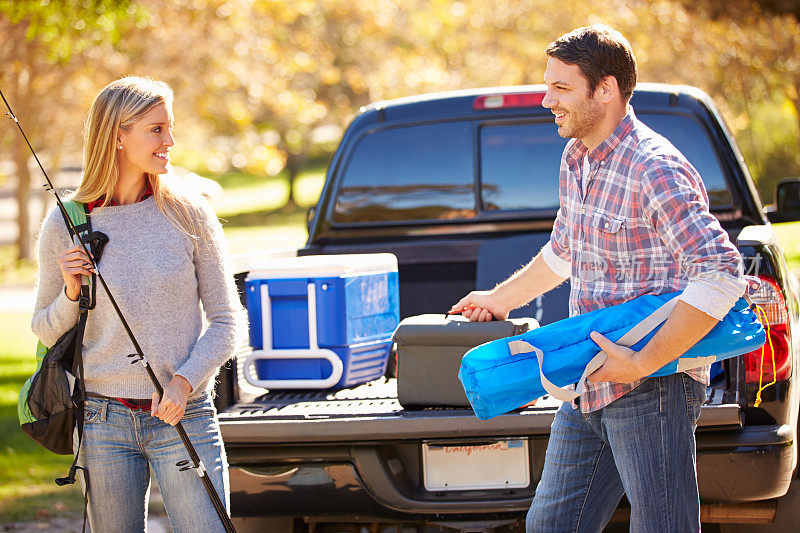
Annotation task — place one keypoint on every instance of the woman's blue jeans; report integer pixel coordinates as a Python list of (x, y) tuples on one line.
[(641, 445), (119, 444)]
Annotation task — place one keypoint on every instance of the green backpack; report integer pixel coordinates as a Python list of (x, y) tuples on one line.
[(50, 403)]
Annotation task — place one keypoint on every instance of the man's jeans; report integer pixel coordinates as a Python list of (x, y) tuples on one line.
[(641, 445), (118, 443)]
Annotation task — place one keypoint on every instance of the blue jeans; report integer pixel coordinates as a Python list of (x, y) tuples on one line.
[(119, 444), (641, 445)]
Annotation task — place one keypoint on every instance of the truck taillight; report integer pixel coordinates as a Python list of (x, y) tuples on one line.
[(501, 101), (758, 364)]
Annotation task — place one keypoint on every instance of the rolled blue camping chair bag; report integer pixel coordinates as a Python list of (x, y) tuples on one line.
[(504, 374)]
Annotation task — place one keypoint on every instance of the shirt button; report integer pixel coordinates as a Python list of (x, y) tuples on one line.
[(583, 211)]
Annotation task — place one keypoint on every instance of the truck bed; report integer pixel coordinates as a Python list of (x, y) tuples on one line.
[(334, 416)]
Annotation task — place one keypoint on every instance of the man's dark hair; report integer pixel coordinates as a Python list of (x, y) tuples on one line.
[(599, 51)]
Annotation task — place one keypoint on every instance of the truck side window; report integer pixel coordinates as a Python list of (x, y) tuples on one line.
[(422, 172), (688, 136), (519, 166)]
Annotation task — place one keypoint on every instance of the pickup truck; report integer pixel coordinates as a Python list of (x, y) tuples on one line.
[(462, 187)]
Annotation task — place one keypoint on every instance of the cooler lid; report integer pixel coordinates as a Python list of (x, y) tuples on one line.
[(323, 265)]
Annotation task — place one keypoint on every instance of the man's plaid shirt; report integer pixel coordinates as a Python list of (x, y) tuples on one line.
[(643, 227)]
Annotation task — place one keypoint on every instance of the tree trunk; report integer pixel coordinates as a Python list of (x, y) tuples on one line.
[(21, 158), (294, 164)]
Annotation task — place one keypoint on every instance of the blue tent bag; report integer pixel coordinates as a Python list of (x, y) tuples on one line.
[(504, 374)]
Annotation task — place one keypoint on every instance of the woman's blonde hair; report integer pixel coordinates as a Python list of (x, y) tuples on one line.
[(120, 104)]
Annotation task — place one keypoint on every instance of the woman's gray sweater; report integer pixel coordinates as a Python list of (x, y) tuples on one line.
[(159, 277)]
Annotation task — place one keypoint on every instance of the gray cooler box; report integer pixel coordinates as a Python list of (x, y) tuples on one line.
[(429, 352)]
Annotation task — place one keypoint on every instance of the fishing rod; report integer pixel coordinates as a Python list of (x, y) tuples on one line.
[(196, 464)]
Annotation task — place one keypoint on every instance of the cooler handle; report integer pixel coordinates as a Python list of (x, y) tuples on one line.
[(330, 381)]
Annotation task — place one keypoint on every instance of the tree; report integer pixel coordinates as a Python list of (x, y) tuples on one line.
[(761, 47), (51, 50), (255, 79)]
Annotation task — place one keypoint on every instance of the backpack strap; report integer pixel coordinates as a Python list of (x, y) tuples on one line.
[(76, 211), (95, 240), (77, 370)]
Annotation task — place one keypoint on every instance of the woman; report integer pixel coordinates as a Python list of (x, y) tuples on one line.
[(164, 258)]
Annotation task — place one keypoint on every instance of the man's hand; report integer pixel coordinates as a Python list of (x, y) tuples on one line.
[(685, 326), (622, 366), (481, 306), (172, 406), (524, 285)]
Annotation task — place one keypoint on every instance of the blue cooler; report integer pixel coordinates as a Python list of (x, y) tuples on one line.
[(319, 322)]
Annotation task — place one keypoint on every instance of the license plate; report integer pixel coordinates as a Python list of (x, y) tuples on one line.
[(494, 465)]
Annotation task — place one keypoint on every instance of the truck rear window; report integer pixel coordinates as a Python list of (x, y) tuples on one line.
[(412, 173), (426, 172), (519, 166)]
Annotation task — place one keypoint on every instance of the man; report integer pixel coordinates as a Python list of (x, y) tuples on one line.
[(631, 204)]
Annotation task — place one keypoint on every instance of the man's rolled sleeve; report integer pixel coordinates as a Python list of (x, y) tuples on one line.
[(715, 299), (676, 206), (554, 262)]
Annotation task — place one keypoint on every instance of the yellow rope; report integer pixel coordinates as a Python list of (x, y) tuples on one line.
[(765, 322)]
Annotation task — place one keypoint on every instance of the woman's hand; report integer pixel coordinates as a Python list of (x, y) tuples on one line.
[(74, 263), (172, 405)]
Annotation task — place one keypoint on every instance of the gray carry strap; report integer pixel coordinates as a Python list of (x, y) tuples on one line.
[(633, 336)]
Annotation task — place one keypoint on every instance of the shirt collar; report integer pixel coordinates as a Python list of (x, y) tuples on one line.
[(576, 152), (148, 192)]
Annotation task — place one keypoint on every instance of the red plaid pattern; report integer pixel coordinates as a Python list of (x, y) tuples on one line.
[(643, 227), (148, 192)]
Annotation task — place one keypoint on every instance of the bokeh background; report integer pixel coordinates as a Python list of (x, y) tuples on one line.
[(265, 88)]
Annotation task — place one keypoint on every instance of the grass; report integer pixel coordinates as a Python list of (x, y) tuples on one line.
[(12, 270), (788, 235), (27, 471), (241, 195), (255, 217), (273, 230)]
